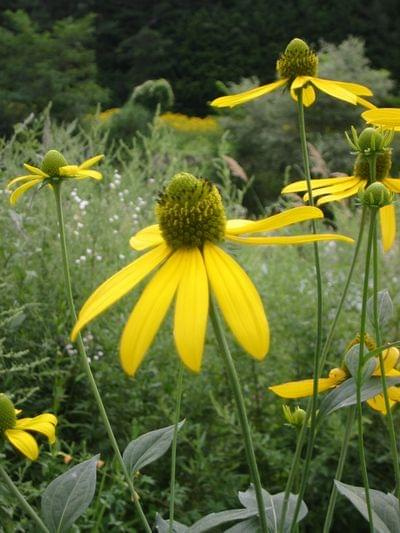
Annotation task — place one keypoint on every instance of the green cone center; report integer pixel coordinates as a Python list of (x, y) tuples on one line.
[(297, 60), (383, 166), (52, 162), (190, 212), (7, 413)]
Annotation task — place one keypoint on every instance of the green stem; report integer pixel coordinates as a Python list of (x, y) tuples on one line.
[(179, 391), (318, 341), (85, 363), (361, 450), (22, 501), (339, 469), (389, 417), (241, 409)]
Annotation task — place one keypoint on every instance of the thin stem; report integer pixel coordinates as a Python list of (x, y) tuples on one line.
[(339, 469), (300, 441), (22, 501), (179, 391), (361, 450), (318, 341), (389, 417), (85, 363), (241, 410)]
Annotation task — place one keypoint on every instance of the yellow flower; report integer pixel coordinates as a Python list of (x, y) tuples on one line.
[(304, 388), (16, 430), (335, 189), (386, 117), (185, 246), (297, 69), (54, 167), (187, 124)]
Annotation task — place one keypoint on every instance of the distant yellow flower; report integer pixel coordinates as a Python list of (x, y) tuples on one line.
[(16, 430), (187, 124), (54, 167), (304, 388), (335, 189), (386, 117), (297, 69), (185, 246)]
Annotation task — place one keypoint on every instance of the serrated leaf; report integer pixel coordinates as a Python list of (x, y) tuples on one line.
[(148, 448), (385, 308), (345, 394), (68, 496), (162, 526), (385, 507), (217, 519)]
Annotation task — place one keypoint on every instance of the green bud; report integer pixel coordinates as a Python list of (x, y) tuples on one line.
[(295, 417), (370, 139), (297, 45), (52, 161), (376, 195), (7, 413)]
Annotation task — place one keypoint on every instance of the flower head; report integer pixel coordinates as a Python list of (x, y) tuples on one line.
[(297, 70), (335, 189), (304, 388), (185, 247), (53, 169), (16, 430)]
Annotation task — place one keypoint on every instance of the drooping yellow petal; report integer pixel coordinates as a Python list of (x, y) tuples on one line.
[(118, 285), (388, 117), (238, 300), (303, 388), (340, 187), (299, 186), (36, 171), (333, 89), (149, 312), (68, 170), (281, 220), (146, 238), (44, 424), (21, 178), (291, 239), (387, 218), (393, 184), (15, 195), (236, 99), (24, 442), (308, 94), (355, 88), (191, 309), (73, 171), (95, 174), (340, 196), (378, 403), (394, 393), (91, 162), (390, 359), (298, 83), (365, 103)]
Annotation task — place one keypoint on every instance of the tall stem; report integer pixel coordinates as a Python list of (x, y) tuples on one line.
[(361, 450), (389, 417), (22, 501), (85, 363), (179, 390), (241, 410), (339, 469), (318, 340)]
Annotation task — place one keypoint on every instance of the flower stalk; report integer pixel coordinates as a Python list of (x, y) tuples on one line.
[(241, 410), (22, 501), (85, 363)]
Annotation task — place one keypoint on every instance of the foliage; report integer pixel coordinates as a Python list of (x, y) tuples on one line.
[(40, 66)]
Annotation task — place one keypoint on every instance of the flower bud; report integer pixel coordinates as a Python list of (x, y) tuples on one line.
[(295, 417), (52, 161), (370, 141), (297, 45), (375, 195), (7, 413)]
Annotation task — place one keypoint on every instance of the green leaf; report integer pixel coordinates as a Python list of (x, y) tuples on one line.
[(385, 308), (217, 519), (148, 448), (69, 495), (251, 525), (385, 507), (162, 526), (345, 394), (351, 360)]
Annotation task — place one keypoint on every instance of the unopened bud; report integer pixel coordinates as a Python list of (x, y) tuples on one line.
[(295, 417), (52, 161), (375, 195)]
